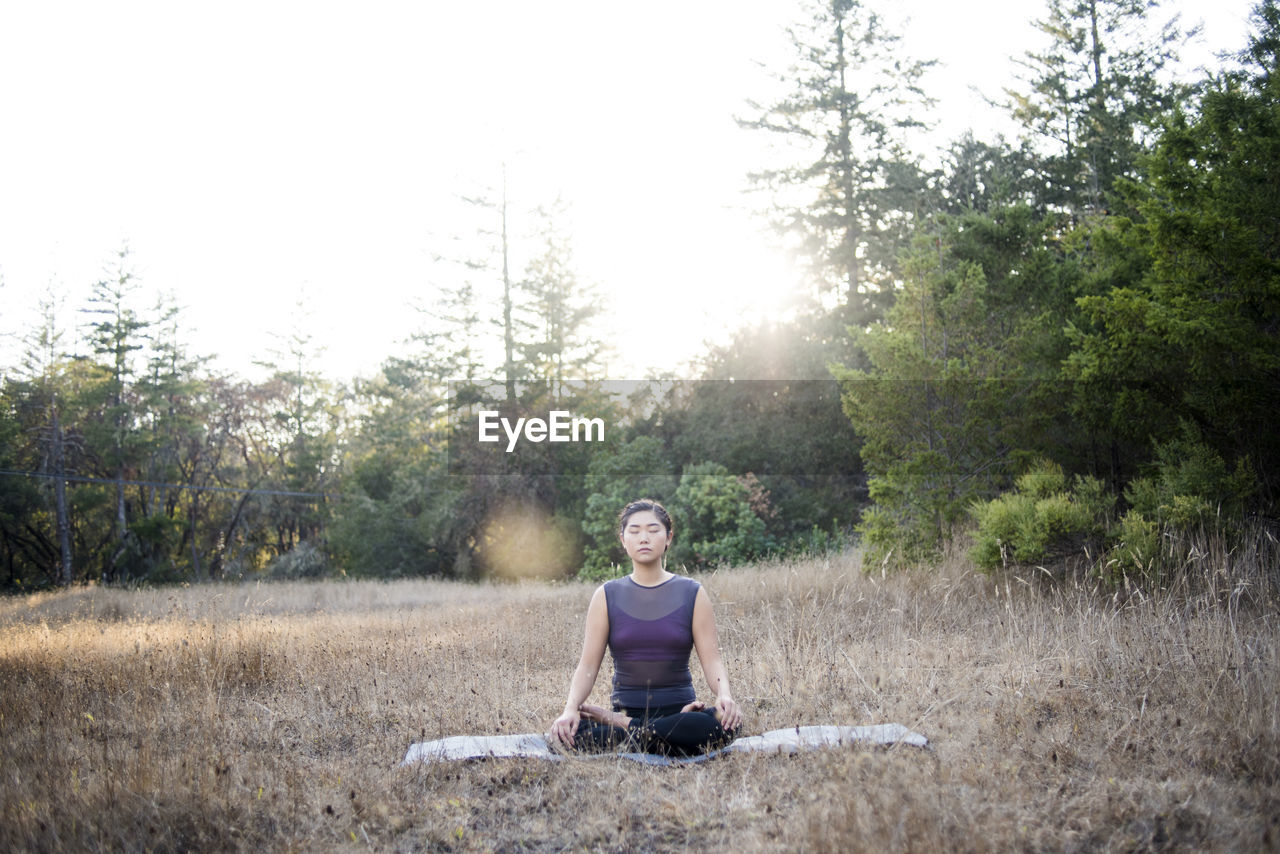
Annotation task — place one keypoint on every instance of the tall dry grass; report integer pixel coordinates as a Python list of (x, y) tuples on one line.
[(274, 717)]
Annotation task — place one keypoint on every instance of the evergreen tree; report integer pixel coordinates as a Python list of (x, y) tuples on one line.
[(960, 384), (853, 97), (635, 469), (491, 282), (396, 498), (1190, 335), (1260, 60), (766, 404), (41, 393), (303, 440), (981, 176), (562, 346), (115, 336), (499, 336), (1097, 91), (173, 412)]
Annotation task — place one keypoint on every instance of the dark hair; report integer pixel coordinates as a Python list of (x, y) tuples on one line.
[(640, 506)]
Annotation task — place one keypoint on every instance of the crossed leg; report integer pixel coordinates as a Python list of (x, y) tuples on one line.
[(688, 731)]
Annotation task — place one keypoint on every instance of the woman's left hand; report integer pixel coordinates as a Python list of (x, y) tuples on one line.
[(728, 713)]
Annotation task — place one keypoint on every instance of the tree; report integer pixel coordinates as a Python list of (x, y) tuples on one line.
[(1192, 336), (543, 356), (857, 199), (173, 411), (718, 527), (766, 404), (390, 520), (41, 392), (115, 337), (303, 438), (561, 346), (488, 280), (960, 384), (1260, 60), (419, 488), (1096, 92), (981, 176), (239, 452)]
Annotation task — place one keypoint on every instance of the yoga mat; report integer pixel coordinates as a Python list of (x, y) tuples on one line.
[(535, 745)]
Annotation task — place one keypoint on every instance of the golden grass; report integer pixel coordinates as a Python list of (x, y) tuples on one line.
[(274, 717)]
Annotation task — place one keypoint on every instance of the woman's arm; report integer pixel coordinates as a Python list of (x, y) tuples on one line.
[(707, 642), (584, 677)]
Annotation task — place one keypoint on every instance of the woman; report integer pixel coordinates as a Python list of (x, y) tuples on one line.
[(650, 620)]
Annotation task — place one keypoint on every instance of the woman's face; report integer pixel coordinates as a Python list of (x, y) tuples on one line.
[(644, 536)]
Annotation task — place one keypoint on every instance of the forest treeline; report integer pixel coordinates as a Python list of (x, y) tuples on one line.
[(1062, 345)]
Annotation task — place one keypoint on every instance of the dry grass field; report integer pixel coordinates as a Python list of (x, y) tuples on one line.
[(274, 717)]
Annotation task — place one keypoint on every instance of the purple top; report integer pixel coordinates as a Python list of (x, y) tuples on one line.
[(650, 636)]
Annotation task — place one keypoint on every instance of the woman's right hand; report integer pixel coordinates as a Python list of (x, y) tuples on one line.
[(566, 727)]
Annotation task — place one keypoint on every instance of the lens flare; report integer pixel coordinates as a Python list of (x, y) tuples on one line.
[(523, 542)]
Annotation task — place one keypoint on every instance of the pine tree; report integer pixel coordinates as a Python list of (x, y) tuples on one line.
[(44, 365), (853, 98), (173, 413), (303, 438), (1096, 92), (957, 390), (1191, 339), (983, 177), (116, 336), (561, 345)]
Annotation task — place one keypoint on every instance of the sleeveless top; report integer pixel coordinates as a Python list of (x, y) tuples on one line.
[(650, 637)]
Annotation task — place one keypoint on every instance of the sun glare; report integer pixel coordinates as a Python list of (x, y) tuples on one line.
[(522, 542)]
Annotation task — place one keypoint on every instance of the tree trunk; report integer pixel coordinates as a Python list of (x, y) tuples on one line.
[(195, 541), (852, 234), (60, 502), (508, 332), (1096, 155)]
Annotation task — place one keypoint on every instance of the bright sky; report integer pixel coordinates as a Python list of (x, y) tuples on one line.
[(255, 155)]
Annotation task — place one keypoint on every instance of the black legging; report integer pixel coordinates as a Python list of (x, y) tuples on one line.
[(665, 730)]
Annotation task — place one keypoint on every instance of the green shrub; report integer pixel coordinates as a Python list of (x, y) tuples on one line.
[(819, 541), (1189, 483), (717, 515), (1041, 520), (1188, 487), (716, 524), (304, 560), (1000, 523), (1135, 548), (1042, 480)]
